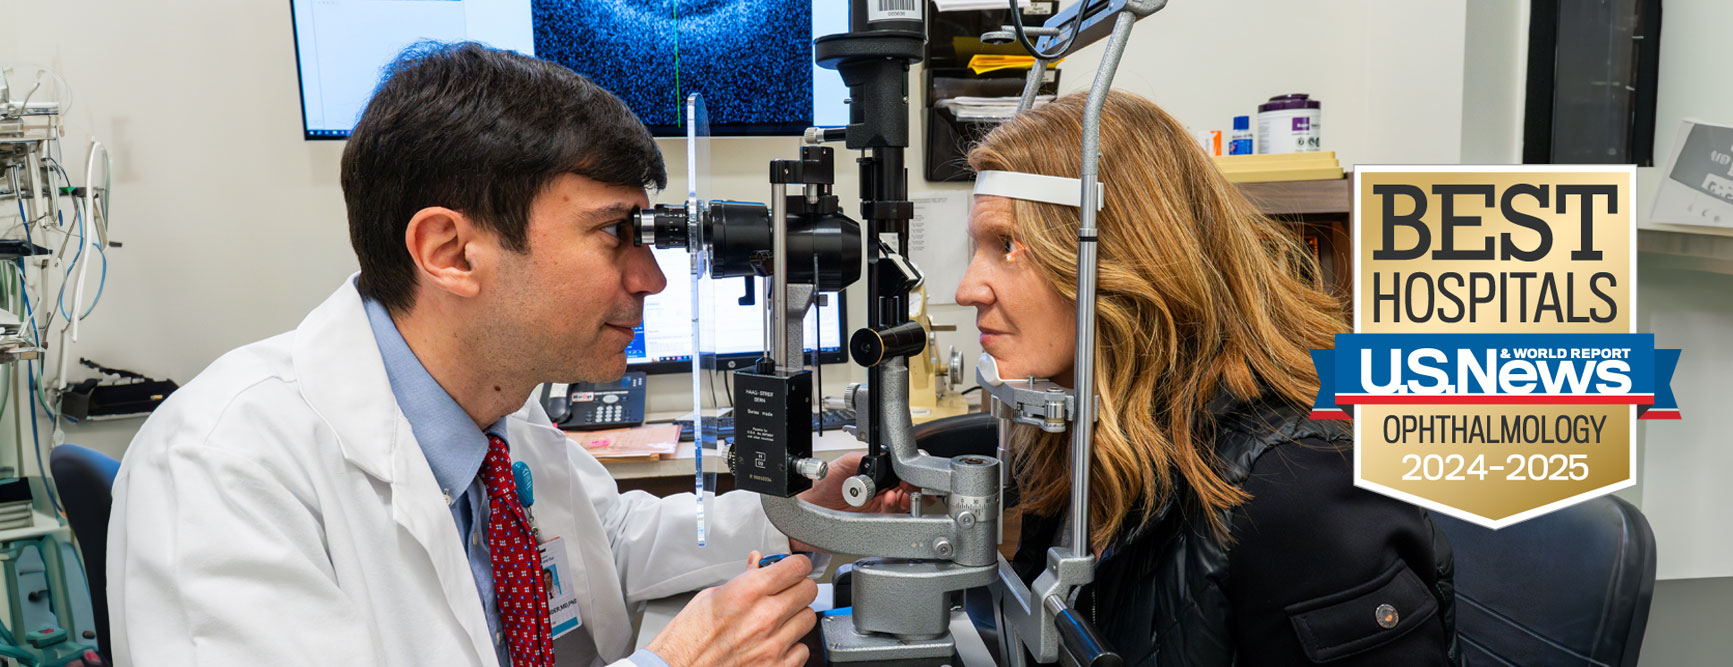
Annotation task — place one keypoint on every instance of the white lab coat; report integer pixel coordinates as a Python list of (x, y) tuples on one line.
[(278, 511)]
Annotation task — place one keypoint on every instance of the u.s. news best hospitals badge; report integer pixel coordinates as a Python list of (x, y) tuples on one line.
[(1495, 372)]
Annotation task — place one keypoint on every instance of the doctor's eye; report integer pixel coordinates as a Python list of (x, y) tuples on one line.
[(616, 229)]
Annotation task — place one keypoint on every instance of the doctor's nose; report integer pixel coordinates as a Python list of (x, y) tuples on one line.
[(643, 276)]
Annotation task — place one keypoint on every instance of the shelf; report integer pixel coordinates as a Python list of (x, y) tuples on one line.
[(14, 248), (1686, 247), (1681, 247), (42, 524), (1328, 197), (1323, 209), (952, 39)]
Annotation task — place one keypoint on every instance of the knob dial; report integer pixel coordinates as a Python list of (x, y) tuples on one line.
[(857, 490)]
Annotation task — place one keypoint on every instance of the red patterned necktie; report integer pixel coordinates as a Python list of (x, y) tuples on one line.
[(517, 565)]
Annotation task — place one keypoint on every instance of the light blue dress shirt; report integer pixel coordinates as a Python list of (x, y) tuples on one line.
[(454, 448)]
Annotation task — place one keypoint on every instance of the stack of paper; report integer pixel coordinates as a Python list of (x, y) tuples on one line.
[(15, 505), (1279, 167), (648, 442), (15, 515), (985, 109)]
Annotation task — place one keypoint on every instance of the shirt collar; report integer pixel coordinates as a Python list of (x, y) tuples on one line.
[(453, 446)]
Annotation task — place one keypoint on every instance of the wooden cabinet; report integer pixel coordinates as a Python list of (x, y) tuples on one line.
[(1323, 210)]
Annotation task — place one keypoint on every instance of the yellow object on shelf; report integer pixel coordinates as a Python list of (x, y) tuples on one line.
[(982, 63), (1279, 167)]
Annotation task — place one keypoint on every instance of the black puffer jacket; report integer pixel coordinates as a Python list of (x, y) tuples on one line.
[(1316, 568)]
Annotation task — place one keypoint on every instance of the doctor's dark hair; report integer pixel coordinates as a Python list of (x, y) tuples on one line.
[(480, 131)]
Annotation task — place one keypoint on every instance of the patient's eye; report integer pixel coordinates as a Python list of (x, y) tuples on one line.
[(990, 241)]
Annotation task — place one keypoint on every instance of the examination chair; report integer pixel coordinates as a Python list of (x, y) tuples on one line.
[(1569, 588), (85, 479)]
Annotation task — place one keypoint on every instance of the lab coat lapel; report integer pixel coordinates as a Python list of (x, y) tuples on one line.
[(416, 505), (562, 509), (342, 375)]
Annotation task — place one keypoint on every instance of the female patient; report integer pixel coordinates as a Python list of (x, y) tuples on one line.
[(1225, 522)]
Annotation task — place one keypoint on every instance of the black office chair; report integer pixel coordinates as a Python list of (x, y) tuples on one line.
[(1569, 588), (969, 433), (85, 480)]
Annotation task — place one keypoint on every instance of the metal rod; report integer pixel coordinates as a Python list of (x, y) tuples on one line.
[(28, 164), (1002, 430), (1083, 432), (778, 346), (1032, 85)]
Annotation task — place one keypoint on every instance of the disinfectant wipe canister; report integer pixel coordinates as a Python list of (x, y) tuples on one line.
[(1289, 124)]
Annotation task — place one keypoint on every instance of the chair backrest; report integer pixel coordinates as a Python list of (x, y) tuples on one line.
[(85, 480), (968, 433), (1569, 588)]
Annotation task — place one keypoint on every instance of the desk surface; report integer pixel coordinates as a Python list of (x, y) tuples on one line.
[(832, 444)]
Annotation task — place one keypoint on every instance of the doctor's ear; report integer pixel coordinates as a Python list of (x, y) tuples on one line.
[(448, 249)]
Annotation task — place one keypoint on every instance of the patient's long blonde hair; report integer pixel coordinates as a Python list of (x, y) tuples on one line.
[(1197, 294)]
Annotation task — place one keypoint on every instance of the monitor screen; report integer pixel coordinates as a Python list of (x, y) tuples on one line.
[(751, 59), (735, 334)]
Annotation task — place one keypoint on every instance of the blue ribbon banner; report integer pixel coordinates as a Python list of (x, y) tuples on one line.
[(1495, 369)]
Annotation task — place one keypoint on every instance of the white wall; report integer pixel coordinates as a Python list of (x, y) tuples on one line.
[(1495, 61), (1389, 74), (1691, 30), (233, 226), (1692, 33), (1682, 308), (8, 33)]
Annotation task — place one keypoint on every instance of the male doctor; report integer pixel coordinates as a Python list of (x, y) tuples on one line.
[(343, 494)]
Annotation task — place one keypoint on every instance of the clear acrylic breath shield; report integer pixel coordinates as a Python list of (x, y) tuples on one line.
[(707, 398)]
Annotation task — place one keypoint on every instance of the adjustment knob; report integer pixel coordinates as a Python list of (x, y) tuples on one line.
[(857, 490), (812, 468)]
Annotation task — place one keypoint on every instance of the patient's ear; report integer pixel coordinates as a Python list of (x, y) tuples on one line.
[(451, 252)]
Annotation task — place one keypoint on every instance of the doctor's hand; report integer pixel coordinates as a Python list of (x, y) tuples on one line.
[(757, 618), (827, 492)]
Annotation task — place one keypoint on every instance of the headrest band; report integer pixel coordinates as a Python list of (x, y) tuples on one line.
[(1036, 187)]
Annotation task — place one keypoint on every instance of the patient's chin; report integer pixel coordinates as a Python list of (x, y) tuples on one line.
[(1011, 370)]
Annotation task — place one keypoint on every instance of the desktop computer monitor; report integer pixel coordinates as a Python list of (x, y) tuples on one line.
[(751, 59), (734, 334)]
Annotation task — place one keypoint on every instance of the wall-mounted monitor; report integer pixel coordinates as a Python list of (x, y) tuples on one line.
[(752, 59)]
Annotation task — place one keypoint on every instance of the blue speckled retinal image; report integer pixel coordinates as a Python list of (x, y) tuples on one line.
[(752, 59)]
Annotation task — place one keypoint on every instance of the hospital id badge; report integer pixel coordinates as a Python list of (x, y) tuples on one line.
[(562, 594)]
